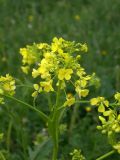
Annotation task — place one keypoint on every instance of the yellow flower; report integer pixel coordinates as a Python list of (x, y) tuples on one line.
[(29, 57), (88, 109), (117, 96), (84, 92), (38, 89), (56, 45), (84, 47), (35, 73), (2, 100), (42, 46), (77, 17), (47, 86), (94, 101), (100, 102), (117, 147), (64, 74), (104, 53), (70, 100), (30, 18), (25, 69), (80, 88)]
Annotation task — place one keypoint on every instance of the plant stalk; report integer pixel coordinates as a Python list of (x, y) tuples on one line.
[(106, 155), (41, 114)]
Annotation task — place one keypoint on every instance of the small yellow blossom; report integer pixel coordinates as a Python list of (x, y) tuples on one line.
[(84, 92), (77, 17), (42, 46), (35, 73), (104, 53), (47, 86), (64, 74), (117, 147), (70, 100), (117, 96), (2, 100), (88, 109), (56, 45), (30, 18), (84, 47), (38, 89), (100, 102), (25, 69)]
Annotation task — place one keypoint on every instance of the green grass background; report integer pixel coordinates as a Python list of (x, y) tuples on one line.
[(23, 22)]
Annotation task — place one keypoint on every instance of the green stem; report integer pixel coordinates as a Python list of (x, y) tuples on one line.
[(55, 151), (73, 121), (2, 156), (22, 85), (55, 126), (9, 135), (41, 114), (106, 155), (82, 102), (49, 101)]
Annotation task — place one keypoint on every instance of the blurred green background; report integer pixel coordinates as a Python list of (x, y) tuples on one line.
[(23, 22)]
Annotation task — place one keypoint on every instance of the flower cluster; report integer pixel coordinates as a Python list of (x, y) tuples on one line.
[(110, 118), (77, 155), (100, 102), (56, 65), (32, 54), (7, 86)]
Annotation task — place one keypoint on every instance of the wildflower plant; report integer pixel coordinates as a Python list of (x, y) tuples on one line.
[(54, 67)]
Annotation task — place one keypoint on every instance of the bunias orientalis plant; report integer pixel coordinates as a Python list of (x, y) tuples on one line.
[(56, 67)]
